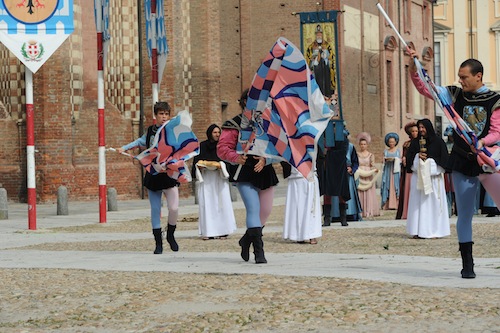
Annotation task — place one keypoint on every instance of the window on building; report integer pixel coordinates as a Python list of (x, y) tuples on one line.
[(426, 20), (407, 15), (388, 9), (437, 63), (408, 106), (471, 45), (417, 100), (390, 86)]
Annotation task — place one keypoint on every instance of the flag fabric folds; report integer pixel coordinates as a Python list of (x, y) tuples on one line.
[(285, 112), (487, 157), (173, 144)]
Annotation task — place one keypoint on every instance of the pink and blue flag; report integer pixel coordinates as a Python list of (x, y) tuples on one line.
[(173, 144), (487, 157), (285, 112)]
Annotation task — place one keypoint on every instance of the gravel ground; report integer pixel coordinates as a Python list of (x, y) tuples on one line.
[(59, 300), (389, 240)]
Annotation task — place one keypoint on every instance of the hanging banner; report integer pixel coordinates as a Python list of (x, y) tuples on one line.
[(319, 44), (101, 15), (33, 30), (318, 31), (155, 30)]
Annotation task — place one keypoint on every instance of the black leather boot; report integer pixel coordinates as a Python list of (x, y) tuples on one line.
[(467, 260), (258, 245), (170, 238), (158, 241), (343, 217), (327, 219), (245, 243)]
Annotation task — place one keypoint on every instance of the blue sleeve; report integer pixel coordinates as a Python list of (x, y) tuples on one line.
[(444, 95), (141, 142), (270, 160)]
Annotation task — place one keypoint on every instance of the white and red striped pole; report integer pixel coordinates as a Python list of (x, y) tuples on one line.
[(100, 118), (30, 149), (154, 56)]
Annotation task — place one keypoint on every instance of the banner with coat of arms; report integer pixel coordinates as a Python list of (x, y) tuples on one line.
[(34, 29)]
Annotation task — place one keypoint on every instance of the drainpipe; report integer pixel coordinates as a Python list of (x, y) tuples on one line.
[(470, 31), (241, 53), (362, 67), (400, 63), (432, 45), (141, 82)]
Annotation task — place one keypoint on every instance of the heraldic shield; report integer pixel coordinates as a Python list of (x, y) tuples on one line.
[(31, 11), (33, 29)]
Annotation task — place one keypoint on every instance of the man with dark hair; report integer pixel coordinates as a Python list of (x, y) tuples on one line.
[(480, 108)]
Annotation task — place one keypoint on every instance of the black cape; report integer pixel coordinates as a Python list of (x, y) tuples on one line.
[(436, 147)]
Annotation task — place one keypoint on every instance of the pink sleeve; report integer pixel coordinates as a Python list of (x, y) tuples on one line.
[(417, 81), (493, 135), (226, 148)]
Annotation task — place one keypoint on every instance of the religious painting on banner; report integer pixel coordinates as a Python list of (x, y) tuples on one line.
[(33, 30), (319, 45)]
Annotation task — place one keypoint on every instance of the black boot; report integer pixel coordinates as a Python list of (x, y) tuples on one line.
[(245, 243), (170, 238), (327, 219), (258, 245), (158, 240), (343, 217), (467, 260)]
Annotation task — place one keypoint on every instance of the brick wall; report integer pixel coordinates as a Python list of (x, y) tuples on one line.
[(215, 49)]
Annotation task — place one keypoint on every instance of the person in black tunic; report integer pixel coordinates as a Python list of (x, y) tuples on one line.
[(255, 183), (159, 184)]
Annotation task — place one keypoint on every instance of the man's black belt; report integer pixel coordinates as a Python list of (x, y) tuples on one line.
[(468, 155)]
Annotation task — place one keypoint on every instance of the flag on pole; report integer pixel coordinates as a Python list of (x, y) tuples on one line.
[(285, 112), (173, 144), (101, 15), (33, 30), (156, 35), (487, 157)]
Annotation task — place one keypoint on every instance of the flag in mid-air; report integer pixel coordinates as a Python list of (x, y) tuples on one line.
[(173, 144), (285, 112), (487, 157)]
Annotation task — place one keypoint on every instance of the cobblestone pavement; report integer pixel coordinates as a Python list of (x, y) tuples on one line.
[(75, 275)]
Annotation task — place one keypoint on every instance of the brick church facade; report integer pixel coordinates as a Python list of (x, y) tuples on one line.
[(215, 48)]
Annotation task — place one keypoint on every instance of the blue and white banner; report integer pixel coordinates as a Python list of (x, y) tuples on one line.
[(101, 15), (155, 30), (33, 29)]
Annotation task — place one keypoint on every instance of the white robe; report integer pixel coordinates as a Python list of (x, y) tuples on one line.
[(303, 208), (428, 214), (216, 215)]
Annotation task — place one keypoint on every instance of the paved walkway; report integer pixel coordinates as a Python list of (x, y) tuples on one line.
[(411, 270)]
